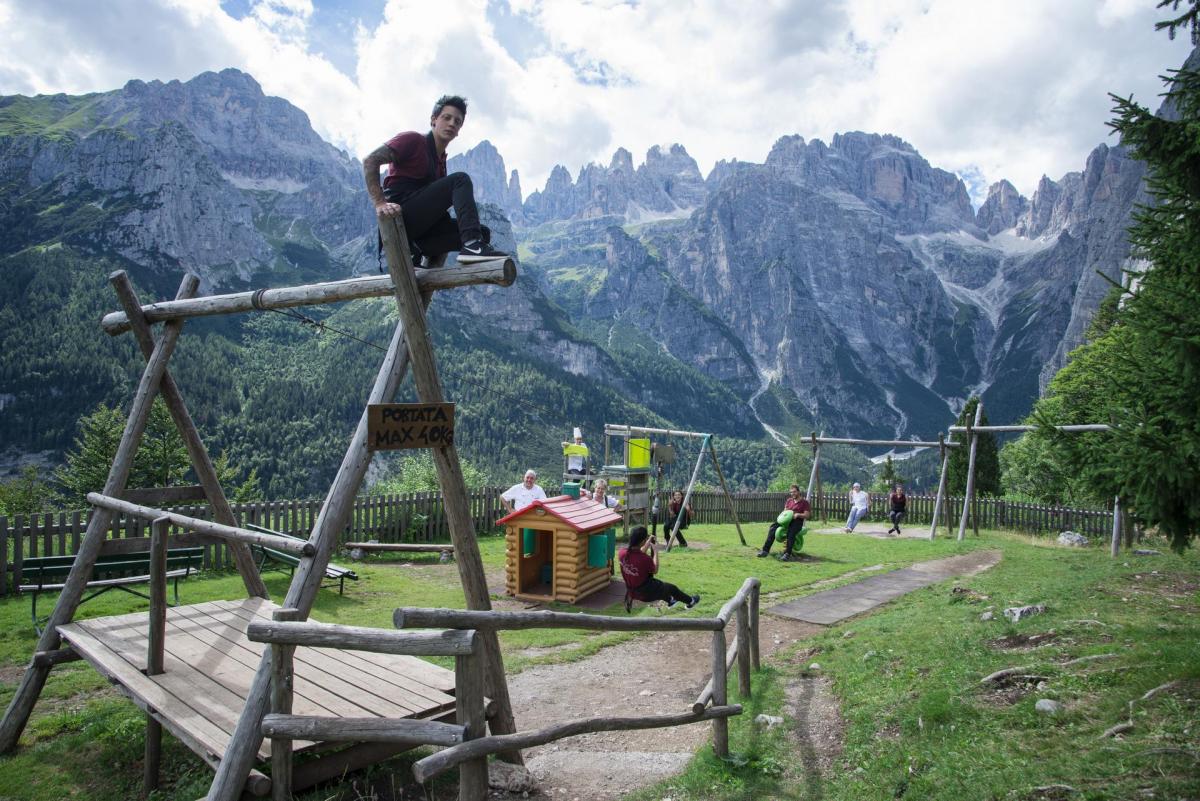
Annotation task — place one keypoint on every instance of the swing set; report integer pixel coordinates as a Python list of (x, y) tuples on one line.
[(639, 453)]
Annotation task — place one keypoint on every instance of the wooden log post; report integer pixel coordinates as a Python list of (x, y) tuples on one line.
[(282, 680), (469, 713), (939, 504), (425, 618), (755, 593), (202, 464), (156, 645), (816, 476), (720, 680), (687, 496), (331, 519), (440, 761), (725, 489), (1115, 546), (970, 494), (454, 489), (502, 272), (812, 474), (232, 534), (744, 648), (34, 679)]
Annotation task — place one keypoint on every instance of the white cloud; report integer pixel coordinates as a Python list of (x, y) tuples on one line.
[(990, 88)]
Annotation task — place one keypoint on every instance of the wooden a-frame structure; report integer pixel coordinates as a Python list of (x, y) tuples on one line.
[(410, 345)]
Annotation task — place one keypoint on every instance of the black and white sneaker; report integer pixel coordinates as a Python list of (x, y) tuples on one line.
[(479, 251)]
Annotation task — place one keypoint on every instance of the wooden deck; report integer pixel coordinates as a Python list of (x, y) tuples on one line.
[(210, 664)]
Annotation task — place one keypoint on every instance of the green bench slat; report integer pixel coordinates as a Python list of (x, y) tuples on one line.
[(332, 571)]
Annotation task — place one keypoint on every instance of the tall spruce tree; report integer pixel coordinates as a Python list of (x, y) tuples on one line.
[(1148, 379), (987, 459)]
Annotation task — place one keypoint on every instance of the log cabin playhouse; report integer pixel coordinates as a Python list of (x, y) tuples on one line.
[(559, 549)]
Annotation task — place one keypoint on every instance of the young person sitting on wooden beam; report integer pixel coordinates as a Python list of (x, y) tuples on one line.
[(417, 188), (639, 563)]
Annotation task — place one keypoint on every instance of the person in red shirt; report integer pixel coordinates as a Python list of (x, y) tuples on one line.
[(800, 509), (417, 188), (639, 563)]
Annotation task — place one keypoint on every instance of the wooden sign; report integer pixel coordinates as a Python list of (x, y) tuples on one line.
[(399, 426)]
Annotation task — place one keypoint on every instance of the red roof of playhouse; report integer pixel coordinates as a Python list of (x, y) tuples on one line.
[(577, 513)]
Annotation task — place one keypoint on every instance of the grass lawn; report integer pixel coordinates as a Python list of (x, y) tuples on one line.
[(917, 722)]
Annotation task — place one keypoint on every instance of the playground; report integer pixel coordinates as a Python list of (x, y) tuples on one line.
[(281, 697), (883, 697)]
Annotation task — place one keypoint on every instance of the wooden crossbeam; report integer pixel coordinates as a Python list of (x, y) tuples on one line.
[(501, 272)]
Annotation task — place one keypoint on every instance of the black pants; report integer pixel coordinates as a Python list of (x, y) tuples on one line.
[(794, 528), (670, 524), (656, 590), (430, 227), (896, 515)]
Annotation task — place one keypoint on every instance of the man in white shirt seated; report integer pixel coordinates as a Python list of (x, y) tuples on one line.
[(518, 496)]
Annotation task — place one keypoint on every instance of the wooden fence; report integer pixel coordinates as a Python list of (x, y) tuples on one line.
[(413, 517), (420, 517), (753, 507)]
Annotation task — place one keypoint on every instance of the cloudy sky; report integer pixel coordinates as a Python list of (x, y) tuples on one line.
[(989, 89)]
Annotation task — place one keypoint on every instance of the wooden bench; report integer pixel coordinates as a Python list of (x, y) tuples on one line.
[(265, 554), (111, 571)]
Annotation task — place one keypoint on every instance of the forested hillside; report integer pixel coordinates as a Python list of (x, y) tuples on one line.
[(282, 398)]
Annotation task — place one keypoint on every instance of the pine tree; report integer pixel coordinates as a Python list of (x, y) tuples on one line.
[(1149, 380), (987, 459), (161, 459)]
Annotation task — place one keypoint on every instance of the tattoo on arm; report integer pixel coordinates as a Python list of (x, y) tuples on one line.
[(371, 164)]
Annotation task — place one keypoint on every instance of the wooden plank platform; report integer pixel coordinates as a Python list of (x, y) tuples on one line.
[(210, 664)]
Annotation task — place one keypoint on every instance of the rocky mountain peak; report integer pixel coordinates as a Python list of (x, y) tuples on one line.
[(486, 167), (1003, 207), (622, 161)]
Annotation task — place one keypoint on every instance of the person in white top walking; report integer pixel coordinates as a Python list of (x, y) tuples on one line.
[(860, 502), (518, 496)]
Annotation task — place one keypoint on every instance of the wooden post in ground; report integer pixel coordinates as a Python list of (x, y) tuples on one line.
[(970, 494), (724, 488), (944, 452), (814, 474), (469, 713), (281, 704), (743, 649), (240, 754), (197, 453), (454, 489), (156, 645), (34, 679), (687, 496), (754, 596), (719, 682), (1116, 527)]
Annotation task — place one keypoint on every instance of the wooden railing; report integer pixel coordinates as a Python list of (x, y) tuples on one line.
[(465, 744), (284, 633), (711, 706)]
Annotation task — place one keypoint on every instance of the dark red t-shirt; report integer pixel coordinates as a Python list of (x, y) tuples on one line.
[(797, 505), (636, 567), (411, 164)]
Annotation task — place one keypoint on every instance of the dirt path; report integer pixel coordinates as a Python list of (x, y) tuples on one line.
[(651, 674)]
